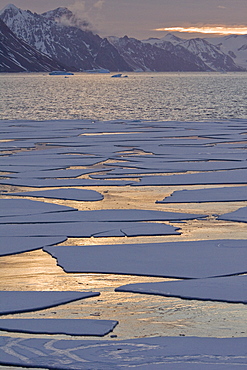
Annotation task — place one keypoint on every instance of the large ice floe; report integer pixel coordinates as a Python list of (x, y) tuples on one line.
[(79, 327), (194, 259), (169, 353), (226, 194), (225, 289), (72, 156), (240, 215), (25, 301), (71, 194)]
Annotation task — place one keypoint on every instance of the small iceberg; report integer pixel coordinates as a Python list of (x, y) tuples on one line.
[(99, 70), (119, 75), (63, 73)]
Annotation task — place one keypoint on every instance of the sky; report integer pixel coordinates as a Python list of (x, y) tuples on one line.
[(143, 19)]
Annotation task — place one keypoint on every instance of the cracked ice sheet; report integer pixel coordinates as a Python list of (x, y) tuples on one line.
[(26, 301), (102, 215), (194, 259), (240, 215), (84, 229), (226, 194), (169, 353), (21, 207), (14, 245), (231, 289), (82, 327), (70, 193)]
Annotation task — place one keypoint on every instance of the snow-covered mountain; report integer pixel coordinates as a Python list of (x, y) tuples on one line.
[(215, 58), (234, 45), (17, 56), (143, 56), (71, 45)]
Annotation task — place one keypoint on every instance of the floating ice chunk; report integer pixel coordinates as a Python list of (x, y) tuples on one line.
[(240, 215), (214, 177), (226, 194), (14, 245), (43, 183), (57, 73), (43, 174), (26, 301), (80, 229), (227, 289), (102, 215), (70, 193), (16, 207), (194, 259), (150, 229), (156, 353), (59, 326)]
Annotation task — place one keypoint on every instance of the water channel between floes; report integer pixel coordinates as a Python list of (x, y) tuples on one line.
[(139, 315)]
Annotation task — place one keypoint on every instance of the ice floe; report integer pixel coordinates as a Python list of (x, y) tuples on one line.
[(240, 215), (102, 215), (170, 353), (226, 194), (16, 244), (25, 301), (81, 327), (70, 193), (194, 259), (202, 178), (21, 207), (227, 289), (82, 229)]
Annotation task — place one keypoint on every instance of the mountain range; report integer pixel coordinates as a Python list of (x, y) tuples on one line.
[(59, 40)]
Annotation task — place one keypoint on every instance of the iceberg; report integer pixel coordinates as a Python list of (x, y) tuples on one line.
[(63, 73)]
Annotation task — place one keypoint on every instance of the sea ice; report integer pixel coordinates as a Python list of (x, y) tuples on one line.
[(207, 178), (226, 194), (70, 193), (169, 353), (14, 245), (190, 259), (240, 215), (25, 301), (102, 215), (82, 327), (227, 289), (80, 229), (21, 207)]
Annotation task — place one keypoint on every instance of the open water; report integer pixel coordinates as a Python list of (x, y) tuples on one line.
[(141, 96)]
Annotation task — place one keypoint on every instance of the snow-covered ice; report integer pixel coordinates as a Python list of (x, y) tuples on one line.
[(16, 244), (226, 194), (240, 215), (195, 259), (25, 301), (102, 215), (70, 193), (170, 353), (83, 229), (21, 207), (227, 289), (82, 327)]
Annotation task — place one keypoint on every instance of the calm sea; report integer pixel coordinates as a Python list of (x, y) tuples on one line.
[(145, 96)]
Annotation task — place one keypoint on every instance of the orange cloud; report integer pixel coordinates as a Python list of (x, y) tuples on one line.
[(220, 30)]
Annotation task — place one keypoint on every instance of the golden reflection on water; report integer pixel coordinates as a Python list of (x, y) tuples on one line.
[(139, 315)]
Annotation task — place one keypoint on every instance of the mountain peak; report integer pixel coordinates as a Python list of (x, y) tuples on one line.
[(10, 8)]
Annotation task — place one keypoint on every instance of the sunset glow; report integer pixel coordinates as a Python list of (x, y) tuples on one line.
[(220, 30)]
